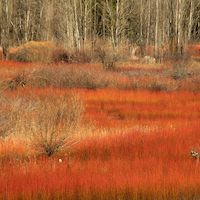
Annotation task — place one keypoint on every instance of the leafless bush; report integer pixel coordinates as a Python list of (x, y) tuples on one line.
[(6, 114), (14, 82), (60, 55), (79, 57), (63, 55), (11, 110), (156, 85), (20, 80), (53, 124), (47, 124), (78, 76), (180, 70), (107, 57), (71, 76)]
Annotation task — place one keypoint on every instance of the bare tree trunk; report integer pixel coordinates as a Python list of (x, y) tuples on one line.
[(171, 28), (74, 22), (5, 28), (16, 33), (81, 25), (70, 42), (148, 25), (85, 24), (104, 24), (91, 17), (95, 20), (176, 27), (27, 14), (141, 28), (180, 28), (77, 34), (163, 29), (156, 30), (190, 19), (112, 18), (117, 25), (49, 14), (40, 31)]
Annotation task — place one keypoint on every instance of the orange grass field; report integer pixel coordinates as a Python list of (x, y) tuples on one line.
[(138, 148)]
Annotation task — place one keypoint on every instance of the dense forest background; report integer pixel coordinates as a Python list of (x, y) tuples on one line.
[(83, 24)]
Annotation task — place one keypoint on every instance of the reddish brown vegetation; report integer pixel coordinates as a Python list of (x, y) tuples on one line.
[(151, 160), (195, 50), (176, 77), (154, 166), (143, 124)]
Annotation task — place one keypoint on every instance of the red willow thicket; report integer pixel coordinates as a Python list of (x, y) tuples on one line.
[(132, 165), (110, 108), (152, 160)]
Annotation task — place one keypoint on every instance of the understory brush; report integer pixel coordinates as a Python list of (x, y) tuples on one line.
[(93, 76), (79, 76)]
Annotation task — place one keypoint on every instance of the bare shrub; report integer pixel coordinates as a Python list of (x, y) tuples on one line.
[(13, 83), (155, 83), (89, 77), (20, 80), (6, 115), (79, 57), (34, 51), (11, 112), (71, 76), (180, 70), (53, 125), (60, 55), (47, 124), (107, 57)]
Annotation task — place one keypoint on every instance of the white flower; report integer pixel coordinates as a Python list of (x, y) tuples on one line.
[(60, 160)]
